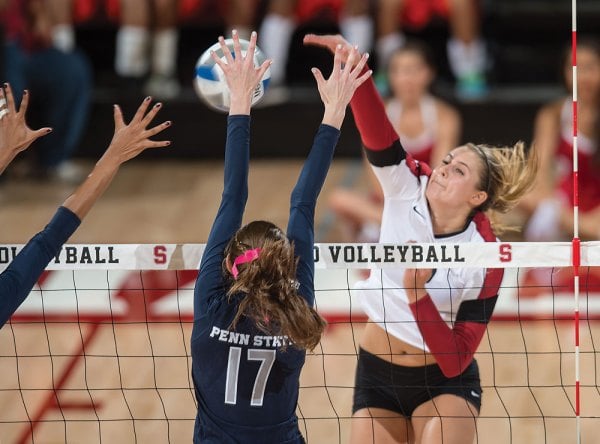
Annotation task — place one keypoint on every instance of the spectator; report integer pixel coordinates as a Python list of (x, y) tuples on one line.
[(466, 50), (283, 16), (147, 40), (550, 203), (40, 55), (146, 44)]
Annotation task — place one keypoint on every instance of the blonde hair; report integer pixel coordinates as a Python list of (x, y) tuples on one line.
[(508, 173), (269, 283)]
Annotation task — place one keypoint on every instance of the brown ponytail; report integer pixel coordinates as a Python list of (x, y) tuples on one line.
[(269, 283)]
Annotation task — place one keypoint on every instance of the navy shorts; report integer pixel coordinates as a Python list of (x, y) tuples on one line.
[(381, 384)]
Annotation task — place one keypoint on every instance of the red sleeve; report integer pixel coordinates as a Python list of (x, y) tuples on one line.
[(453, 348), (376, 131)]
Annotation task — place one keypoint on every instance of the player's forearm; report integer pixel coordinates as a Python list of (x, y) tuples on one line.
[(376, 131), (316, 166), (453, 348), (237, 157), (21, 275), (84, 197)]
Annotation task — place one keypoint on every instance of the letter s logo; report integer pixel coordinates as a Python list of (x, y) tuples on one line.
[(505, 251), (160, 254)]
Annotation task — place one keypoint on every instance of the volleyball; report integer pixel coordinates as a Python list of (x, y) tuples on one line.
[(210, 83)]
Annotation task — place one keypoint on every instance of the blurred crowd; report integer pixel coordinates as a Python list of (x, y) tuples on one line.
[(41, 54)]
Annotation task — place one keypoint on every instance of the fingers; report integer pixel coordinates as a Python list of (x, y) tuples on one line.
[(337, 59), (350, 60), (118, 116), (24, 104), (141, 111), (157, 129), (225, 50), (318, 77), (251, 47), (41, 132), (3, 105), (218, 60), (416, 278), (237, 49), (10, 99), (361, 64), (151, 114), (157, 144), (363, 78), (263, 68)]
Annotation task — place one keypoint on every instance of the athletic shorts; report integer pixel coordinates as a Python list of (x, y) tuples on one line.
[(381, 384)]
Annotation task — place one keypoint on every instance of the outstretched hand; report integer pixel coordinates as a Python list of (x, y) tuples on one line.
[(337, 91), (15, 134), (131, 139), (414, 283), (241, 75)]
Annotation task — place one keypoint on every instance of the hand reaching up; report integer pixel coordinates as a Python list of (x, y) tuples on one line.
[(131, 139), (128, 141), (337, 91), (241, 75), (15, 134)]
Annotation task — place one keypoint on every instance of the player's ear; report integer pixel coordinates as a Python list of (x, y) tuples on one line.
[(478, 198)]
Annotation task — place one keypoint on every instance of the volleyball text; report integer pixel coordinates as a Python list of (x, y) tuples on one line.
[(393, 253), (86, 255)]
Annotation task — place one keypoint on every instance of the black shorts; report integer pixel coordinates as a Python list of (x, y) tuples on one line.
[(381, 384)]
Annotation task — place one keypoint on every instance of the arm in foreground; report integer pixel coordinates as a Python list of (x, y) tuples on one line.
[(128, 141)]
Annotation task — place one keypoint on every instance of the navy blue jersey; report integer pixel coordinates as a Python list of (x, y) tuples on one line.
[(246, 386), (21, 275)]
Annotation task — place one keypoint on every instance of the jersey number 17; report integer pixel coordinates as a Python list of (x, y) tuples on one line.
[(266, 358)]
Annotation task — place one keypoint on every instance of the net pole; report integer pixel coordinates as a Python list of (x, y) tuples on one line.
[(576, 241)]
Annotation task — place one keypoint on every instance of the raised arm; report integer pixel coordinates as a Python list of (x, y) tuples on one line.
[(242, 77), (128, 141), (378, 136), (15, 135), (335, 93)]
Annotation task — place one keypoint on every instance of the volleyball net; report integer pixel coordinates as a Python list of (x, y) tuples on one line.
[(100, 351)]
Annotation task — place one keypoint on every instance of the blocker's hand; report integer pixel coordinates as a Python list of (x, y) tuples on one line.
[(240, 73), (337, 91), (131, 139), (15, 134)]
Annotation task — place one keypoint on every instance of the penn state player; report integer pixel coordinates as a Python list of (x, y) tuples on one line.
[(15, 136), (416, 379), (253, 300)]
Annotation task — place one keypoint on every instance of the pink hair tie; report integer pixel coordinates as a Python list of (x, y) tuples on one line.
[(247, 256)]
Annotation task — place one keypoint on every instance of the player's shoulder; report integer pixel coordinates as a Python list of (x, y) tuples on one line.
[(483, 230)]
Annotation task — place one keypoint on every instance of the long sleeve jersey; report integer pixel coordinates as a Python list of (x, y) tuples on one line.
[(451, 320), (246, 386), (21, 275)]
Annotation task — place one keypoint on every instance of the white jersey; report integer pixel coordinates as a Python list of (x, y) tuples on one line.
[(406, 218)]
